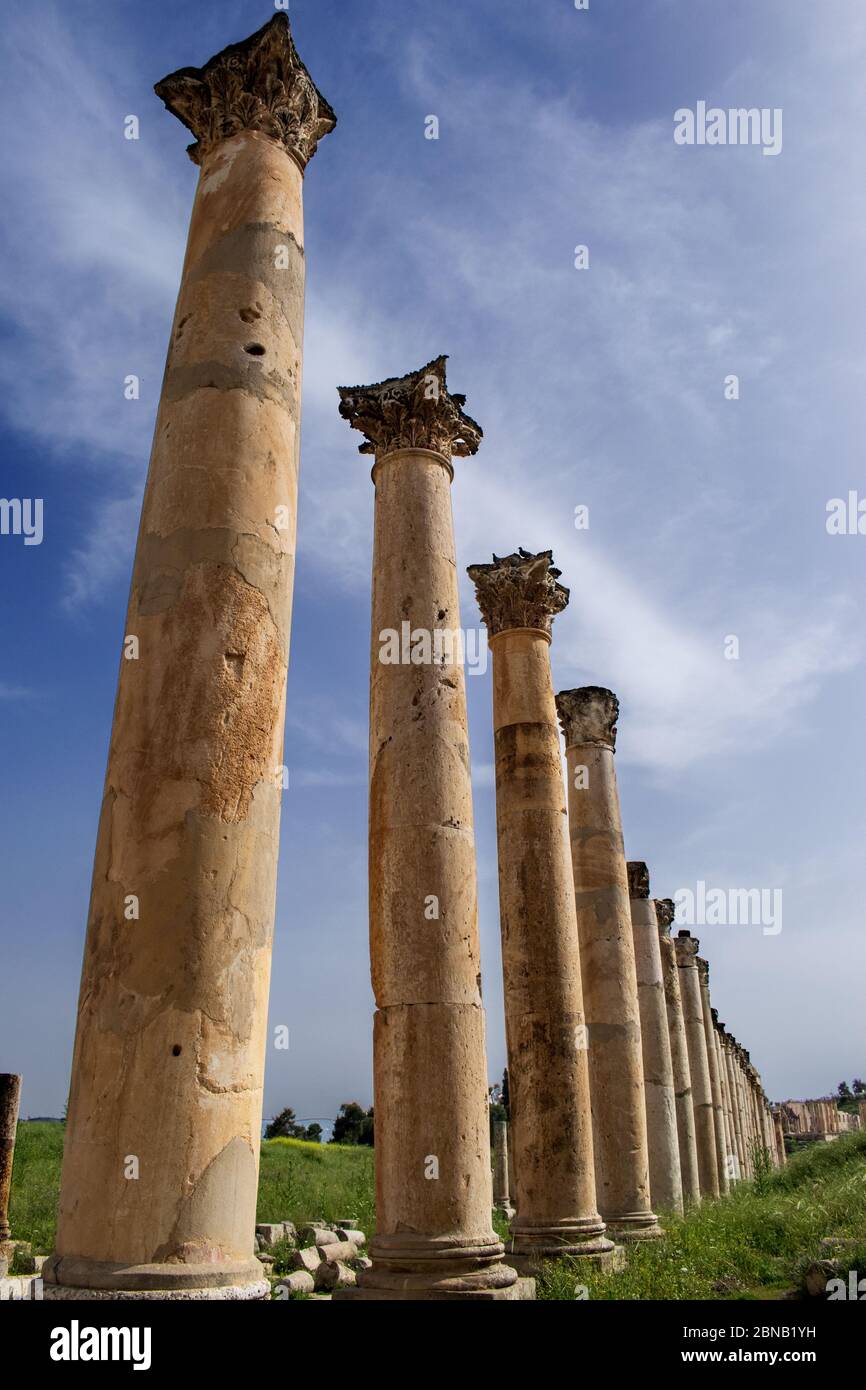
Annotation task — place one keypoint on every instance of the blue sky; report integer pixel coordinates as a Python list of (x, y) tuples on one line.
[(601, 387)]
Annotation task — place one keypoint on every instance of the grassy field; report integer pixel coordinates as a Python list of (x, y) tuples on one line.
[(753, 1244)]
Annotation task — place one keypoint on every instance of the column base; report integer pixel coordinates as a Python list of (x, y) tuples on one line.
[(531, 1245), (69, 1277), (631, 1229), (609, 1261), (410, 1266), (505, 1209), (521, 1290)]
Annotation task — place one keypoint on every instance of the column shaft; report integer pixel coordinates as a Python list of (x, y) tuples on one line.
[(10, 1092), (434, 1238), (160, 1165), (696, 1038), (687, 1143), (607, 957), (666, 1188), (548, 1077)]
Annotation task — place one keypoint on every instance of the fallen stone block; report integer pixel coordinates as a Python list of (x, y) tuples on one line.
[(355, 1236), (333, 1274), (308, 1259), (269, 1232), (361, 1262), (299, 1281), (30, 1264), (290, 1232), (344, 1250), (319, 1233)]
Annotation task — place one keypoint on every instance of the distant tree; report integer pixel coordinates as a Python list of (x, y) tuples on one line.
[(844, 1091), (858, 1087), (353, 1125), (285, 1126), (506, 1094), (313, 1133)]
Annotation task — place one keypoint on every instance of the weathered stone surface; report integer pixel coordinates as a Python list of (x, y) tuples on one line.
[(519, 591), (269, 1233), (316, 1233), (610, 993), (344, 1250), (551, 1125), (416, 411), (666, 1190), (10, 1092), (258, 85), (308, 1258), (433, 1180), (357, 1238), (715, 1081), (679, 1054), (174, 1001), (299, 1281), (702, 1098), (334, 1274)]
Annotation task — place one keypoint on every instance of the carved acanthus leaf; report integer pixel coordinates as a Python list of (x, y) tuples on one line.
[(258, 84), (519, 590), (638, 878), (415, 411), (588, 715)]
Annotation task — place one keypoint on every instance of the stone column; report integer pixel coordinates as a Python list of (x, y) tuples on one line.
[(780, 1136), (434, 1195), (588, 718), (548, 1077), (160, 1166), (696, 1037), (742, 1126), (501, 1192), (10, 1092), (688, 1149), (733, 1103), (666, 1187), (730, 1143), (715, 1087)]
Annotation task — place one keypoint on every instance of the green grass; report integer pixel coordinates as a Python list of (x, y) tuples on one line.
[(303, 1182), (748, 1245), (36, 1184), (298, 1182)]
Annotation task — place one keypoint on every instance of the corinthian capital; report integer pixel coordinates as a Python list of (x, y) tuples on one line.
[(665, 913), (519, 590), (638, 879), (687, 948), (588, 715), (258, 84), (416, 411)]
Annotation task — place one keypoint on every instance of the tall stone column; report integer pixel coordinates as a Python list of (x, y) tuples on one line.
[(666, 1187), (548, 1076), (501, 1184), (699, 1066), (687, 1144), (780, 1137), (434, 1196), (730, 1144), (733, 1102), (160, 1167), (715, 1084), (748, 1117), (588, 717), (733, 1069), (10, 1092)]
